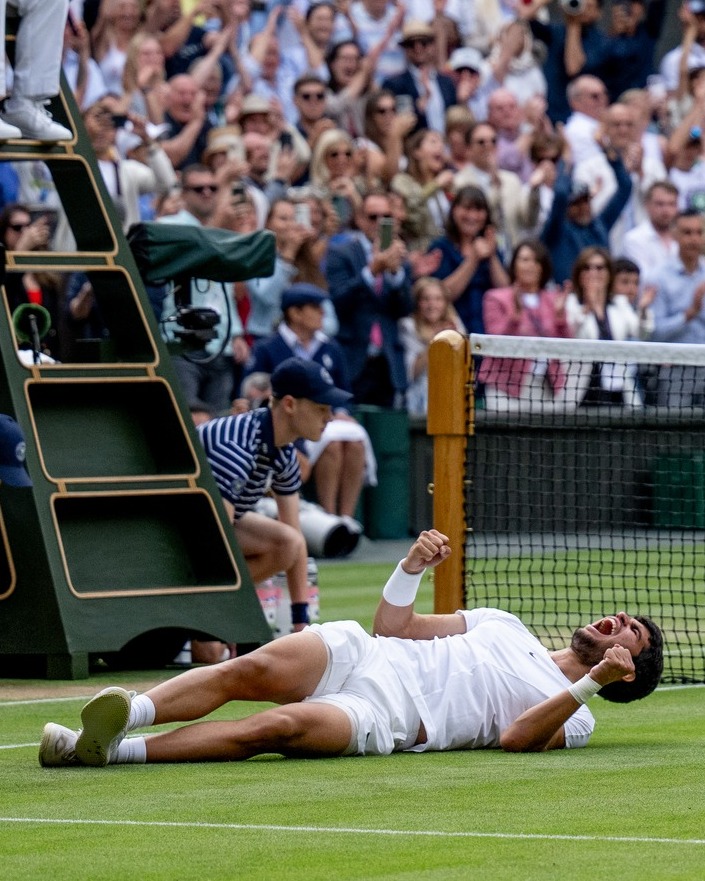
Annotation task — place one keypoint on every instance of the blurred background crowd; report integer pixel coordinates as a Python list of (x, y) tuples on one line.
[(504, 166)]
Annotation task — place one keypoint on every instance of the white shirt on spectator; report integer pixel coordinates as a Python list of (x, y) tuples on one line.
[(580, 131), (647, 249), (670, 64), (691, 186), (95, 87), (369, 32), (461, 11)]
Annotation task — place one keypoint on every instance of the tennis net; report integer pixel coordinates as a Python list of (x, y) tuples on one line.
[(584, 489)]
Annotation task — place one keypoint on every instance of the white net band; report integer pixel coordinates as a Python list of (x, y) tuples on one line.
[(585, 351)]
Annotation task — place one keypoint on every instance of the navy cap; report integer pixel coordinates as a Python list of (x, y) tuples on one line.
[(301, 294), (307, 379), (578, 191), (12, 453)]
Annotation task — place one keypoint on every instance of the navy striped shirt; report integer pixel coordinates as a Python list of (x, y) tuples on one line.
[(245, 462)]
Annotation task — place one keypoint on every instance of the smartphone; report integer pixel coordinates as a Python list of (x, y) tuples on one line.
[(51, 215), (237, 192), (342, 208), (386, 231), (302, 214), (120, 120), (286, 140)]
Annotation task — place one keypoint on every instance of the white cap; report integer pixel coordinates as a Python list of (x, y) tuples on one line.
[(466, 57)]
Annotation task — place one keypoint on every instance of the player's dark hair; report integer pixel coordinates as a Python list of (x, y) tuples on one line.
[(648, 666)]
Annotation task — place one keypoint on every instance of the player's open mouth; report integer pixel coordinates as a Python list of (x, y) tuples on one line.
[(608, 626)]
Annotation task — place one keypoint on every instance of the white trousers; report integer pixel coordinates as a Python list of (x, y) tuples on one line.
[(38, 48)]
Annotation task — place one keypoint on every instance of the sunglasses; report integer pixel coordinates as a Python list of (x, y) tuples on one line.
[(335, 154), (312, 96), (375, 217), (483, 142), (203, 188), (417, 41)]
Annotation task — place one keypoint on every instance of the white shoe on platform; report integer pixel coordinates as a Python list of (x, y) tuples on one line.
[(9, 132), (33, 120)]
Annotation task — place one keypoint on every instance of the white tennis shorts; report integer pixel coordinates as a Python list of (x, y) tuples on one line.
[(361, 681)]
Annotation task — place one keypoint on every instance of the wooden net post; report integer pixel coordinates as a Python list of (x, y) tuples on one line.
[(449, 423)]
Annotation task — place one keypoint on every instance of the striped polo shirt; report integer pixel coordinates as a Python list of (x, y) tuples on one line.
[(245, 462)]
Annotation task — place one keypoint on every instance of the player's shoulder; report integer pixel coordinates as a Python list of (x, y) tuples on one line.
[(484, 615)]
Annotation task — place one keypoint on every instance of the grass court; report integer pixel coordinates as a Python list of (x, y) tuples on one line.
[(631, 805)]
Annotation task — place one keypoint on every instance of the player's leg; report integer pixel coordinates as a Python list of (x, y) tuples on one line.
[(283, 671), (313, 730)]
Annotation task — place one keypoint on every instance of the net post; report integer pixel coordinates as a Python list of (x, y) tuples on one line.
[(449, 422)]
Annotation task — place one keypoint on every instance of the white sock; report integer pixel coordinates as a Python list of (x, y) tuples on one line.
[(131, 751), (142, 713)]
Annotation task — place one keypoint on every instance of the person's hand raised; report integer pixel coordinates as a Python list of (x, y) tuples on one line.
[(429, 549)]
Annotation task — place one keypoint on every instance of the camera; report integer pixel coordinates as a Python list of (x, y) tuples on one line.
[(572, 7), (195, 326)]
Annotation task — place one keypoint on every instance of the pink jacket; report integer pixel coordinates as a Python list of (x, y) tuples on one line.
[(499, 314)]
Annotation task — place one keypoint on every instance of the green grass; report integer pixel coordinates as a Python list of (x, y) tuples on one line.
[(631, 805)]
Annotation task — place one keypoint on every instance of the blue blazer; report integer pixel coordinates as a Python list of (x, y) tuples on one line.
[(404, 84), (358, 308)]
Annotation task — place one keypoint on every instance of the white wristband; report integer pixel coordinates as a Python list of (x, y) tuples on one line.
[(584, 689), (401, 588)]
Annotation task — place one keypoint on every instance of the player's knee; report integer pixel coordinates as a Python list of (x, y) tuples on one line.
[(277, 730), (256, 672)]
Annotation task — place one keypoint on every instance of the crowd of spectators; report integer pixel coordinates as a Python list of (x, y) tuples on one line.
[(417, 161)]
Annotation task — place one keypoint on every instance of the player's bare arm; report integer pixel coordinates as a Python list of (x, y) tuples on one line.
[(540, 728), (395, 615)]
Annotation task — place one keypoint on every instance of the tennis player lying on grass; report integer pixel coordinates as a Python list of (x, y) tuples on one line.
[(468, 680)]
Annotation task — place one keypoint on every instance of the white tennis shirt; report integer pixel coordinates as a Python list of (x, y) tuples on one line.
[(469, 687)]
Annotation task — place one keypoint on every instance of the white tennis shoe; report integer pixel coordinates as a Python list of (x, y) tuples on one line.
[(104, 721), (58, 747), (34, 121)]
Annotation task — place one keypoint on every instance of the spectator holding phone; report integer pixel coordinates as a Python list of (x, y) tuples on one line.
[(369, 279), (19, 232)]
